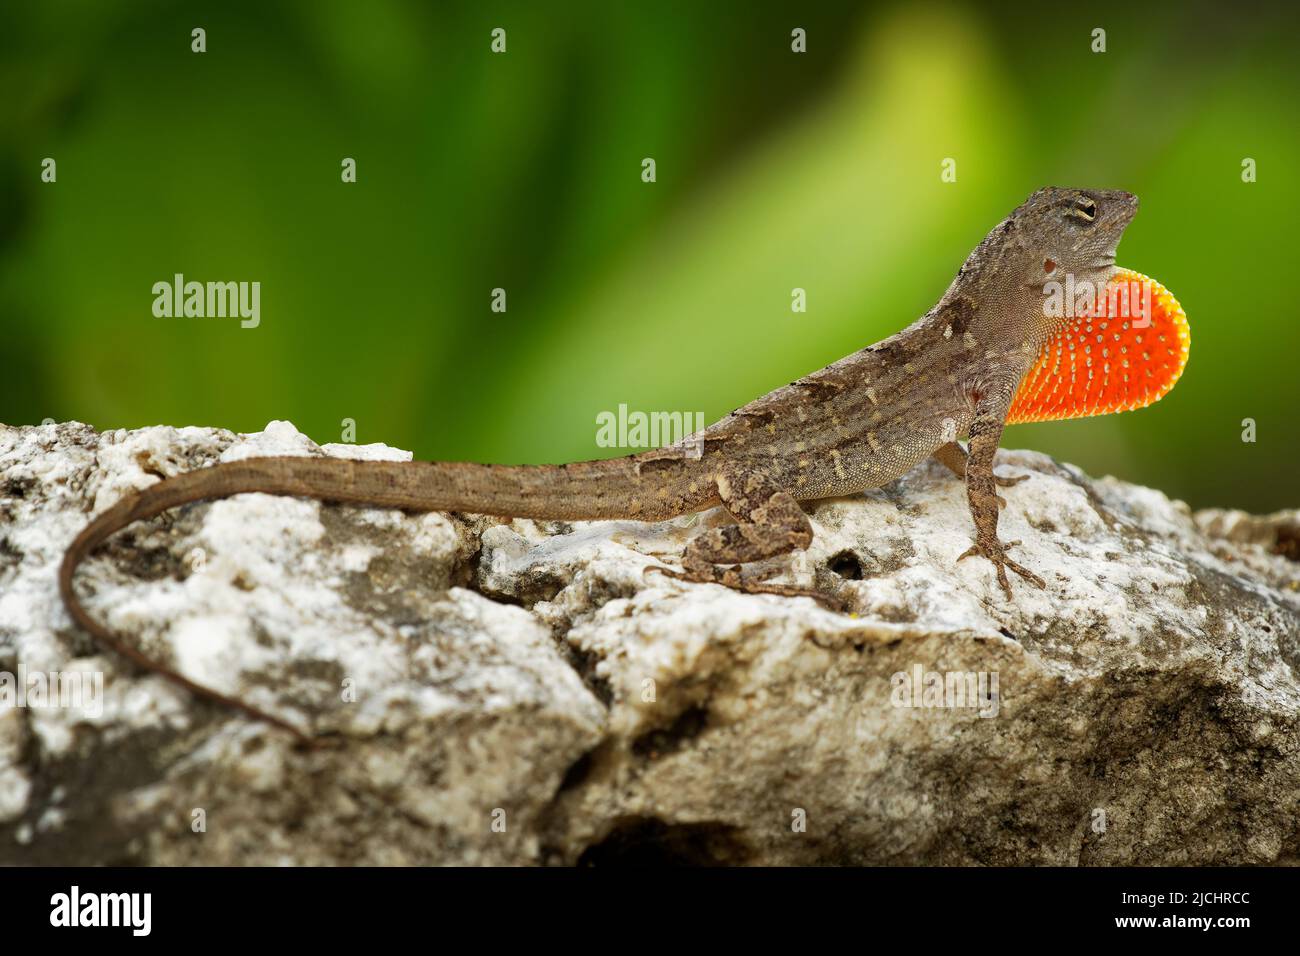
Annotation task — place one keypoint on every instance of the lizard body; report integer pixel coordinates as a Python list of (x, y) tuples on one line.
[(855, 424)]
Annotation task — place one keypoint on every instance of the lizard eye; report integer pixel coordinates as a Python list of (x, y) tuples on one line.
[(1049, 266), (1086, 209)]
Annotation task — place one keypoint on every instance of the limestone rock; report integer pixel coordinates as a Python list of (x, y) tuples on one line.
[(522, 692)]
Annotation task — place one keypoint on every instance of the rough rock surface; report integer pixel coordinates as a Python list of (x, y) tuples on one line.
[(519, 692)]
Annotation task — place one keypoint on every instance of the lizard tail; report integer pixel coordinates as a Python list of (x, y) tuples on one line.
[(594, 489)]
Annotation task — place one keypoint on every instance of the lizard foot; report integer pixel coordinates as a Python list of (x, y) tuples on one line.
[(997, 553), (730, 577)]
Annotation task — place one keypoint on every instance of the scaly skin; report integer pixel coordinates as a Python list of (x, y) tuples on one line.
[(856, 424)]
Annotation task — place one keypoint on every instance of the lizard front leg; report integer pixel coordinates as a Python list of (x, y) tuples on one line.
[(985, 434), (770, 523)]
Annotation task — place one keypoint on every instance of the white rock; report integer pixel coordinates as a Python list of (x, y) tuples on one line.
[(474, 671)]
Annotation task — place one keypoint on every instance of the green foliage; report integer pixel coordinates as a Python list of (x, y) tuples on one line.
[(522, 171)]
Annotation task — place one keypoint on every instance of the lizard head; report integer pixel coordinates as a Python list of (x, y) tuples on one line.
[(1071, 232), (1042, 298)]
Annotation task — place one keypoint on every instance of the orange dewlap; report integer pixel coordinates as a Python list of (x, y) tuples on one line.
[(1110, 361)]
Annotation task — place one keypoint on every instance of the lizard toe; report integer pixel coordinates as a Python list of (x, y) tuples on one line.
[(1002, 580), (666, 572), (997, 553), (829, 601), (1025, 573), (730, 577)]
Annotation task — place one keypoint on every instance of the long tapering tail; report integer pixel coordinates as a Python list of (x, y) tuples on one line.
[(585, 490)]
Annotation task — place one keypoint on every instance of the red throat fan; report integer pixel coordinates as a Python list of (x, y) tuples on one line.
[(1127, 353)]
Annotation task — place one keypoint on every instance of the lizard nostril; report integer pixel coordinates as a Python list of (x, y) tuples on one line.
[(1049, 266)]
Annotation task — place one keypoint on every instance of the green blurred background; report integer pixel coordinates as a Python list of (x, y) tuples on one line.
[(523, 171)]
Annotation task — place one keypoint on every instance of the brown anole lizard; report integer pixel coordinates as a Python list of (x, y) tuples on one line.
[(962, 368)]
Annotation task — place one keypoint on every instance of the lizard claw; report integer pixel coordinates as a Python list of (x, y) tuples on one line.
[(997, 553)]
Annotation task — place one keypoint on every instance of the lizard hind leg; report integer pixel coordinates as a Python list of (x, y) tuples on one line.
[(770, 523)]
